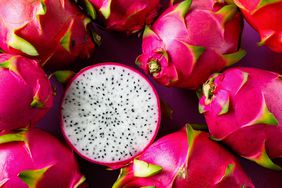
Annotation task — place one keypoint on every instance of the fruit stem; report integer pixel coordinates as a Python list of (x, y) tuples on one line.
[(208, 89), (154, 66)]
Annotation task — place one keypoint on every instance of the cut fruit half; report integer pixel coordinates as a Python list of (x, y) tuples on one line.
[(110, 114)]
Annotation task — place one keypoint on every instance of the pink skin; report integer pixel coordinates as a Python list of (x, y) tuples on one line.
[(207, 4), (41, 150), (128, 17), (44, 32), (18, 90), (265, 20), (204, 167), (122, 162), (246, 103), (200, 26)]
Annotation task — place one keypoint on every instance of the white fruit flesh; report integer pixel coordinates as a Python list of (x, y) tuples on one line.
[(110, 113)]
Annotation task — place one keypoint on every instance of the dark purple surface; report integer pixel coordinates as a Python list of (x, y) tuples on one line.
[(123, 49)]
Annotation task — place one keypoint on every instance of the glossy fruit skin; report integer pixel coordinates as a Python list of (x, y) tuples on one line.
[(190, 41), (265, 17), (54, 32), (24, 154), (188, 158), (124, 15), (26, 93), (242, 108)]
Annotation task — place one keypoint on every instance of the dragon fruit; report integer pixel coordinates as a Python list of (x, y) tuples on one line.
[(190, 41), (123, 15), (265, 16), (187, 158), (26, 93), (110, 114), (51, 31), (242, 108), (34, 158)]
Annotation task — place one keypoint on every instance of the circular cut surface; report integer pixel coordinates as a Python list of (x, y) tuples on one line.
[(110, 113)]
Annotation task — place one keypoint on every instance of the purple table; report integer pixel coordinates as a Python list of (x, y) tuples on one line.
[(123, 49)]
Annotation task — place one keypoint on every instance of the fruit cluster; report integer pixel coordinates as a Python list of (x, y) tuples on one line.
[(111, 114)]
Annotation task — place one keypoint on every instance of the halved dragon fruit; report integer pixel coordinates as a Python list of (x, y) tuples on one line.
[(190, 41), (110, 114), (242, 107), (123, 15), (35, 159), (187, 158), (265, 16), (51, 31), (26, 93)]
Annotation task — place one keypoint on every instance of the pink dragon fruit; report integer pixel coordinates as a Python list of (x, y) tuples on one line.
[(242, 108), (26, 94), (265, 16), (51, 31), (124, 15), (187, 158), (190, 41), (34, 158)]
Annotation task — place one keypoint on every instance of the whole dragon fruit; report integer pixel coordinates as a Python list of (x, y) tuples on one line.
[(242, 109), (51, 31), (35, 159), (190, 41), (265, 16), (187, 158), (26, 93), (123, 15)]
